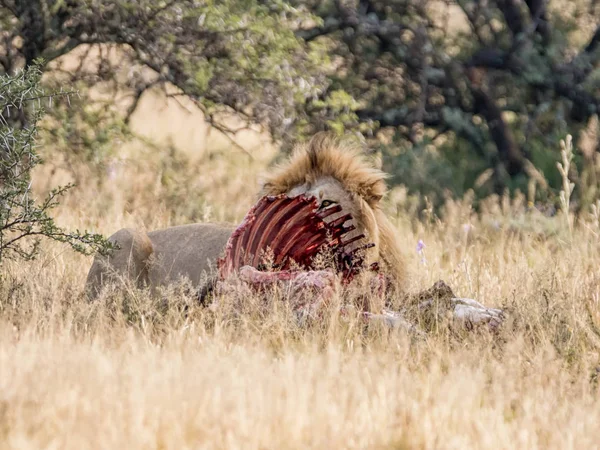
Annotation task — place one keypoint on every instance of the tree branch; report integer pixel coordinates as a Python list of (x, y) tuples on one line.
[(50, 54), (509, 152), (512, 16), (137, 95), (539, 15)]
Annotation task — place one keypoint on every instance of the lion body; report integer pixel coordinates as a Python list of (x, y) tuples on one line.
[(160, 257), (323, 168)]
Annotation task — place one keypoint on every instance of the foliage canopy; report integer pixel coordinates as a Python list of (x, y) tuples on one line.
[(469, 94)]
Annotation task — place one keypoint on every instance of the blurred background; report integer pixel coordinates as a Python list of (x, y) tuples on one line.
[(167, 112), (173, 108)]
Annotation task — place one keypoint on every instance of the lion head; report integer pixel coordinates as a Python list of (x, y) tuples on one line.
[(338, 173)]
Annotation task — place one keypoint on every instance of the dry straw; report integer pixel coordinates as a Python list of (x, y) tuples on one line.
[(135, 372)]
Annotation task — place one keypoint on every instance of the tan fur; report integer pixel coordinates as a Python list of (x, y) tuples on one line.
[(160, 257), (129, 262), (323, 168), (324, 156)]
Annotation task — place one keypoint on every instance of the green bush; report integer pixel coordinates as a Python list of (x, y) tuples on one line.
[(23, 220)]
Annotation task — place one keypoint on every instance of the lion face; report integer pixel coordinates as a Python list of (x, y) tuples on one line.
[(329, 192)]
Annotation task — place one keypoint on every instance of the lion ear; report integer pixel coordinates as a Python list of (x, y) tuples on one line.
[(373, 193), (375, 188)]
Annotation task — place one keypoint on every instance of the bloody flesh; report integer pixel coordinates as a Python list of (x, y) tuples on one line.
[(289, 233)]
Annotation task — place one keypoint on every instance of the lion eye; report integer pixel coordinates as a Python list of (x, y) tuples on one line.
[(326, 203)]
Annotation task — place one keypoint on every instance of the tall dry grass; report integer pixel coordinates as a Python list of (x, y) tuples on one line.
[(134, 372)]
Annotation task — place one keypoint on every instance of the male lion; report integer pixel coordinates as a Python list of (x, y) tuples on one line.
[(338, 177), (332, 172)]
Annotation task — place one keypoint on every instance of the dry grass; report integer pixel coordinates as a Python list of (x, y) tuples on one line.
[(132, 372)]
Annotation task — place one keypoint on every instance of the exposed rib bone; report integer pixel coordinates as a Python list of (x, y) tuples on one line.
[(292, 231)]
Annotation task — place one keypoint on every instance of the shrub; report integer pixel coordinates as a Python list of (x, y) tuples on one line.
[(23, 220)]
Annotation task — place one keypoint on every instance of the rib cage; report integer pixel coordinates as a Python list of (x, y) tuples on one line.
[(282, 233)]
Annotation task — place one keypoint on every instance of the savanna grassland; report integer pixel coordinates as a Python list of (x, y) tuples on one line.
[(136, 373)]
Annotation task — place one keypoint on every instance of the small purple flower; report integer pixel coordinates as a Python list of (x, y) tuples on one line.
[(421, 251)]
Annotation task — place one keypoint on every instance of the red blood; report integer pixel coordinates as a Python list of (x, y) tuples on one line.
[(294, 231)]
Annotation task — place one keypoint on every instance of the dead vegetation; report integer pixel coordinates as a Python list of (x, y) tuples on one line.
[(133, 372)]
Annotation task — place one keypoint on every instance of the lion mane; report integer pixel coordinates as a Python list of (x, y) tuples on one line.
[(162, 257), (327, 156)]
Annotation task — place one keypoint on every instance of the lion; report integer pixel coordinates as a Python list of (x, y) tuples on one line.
[(324, 168)]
